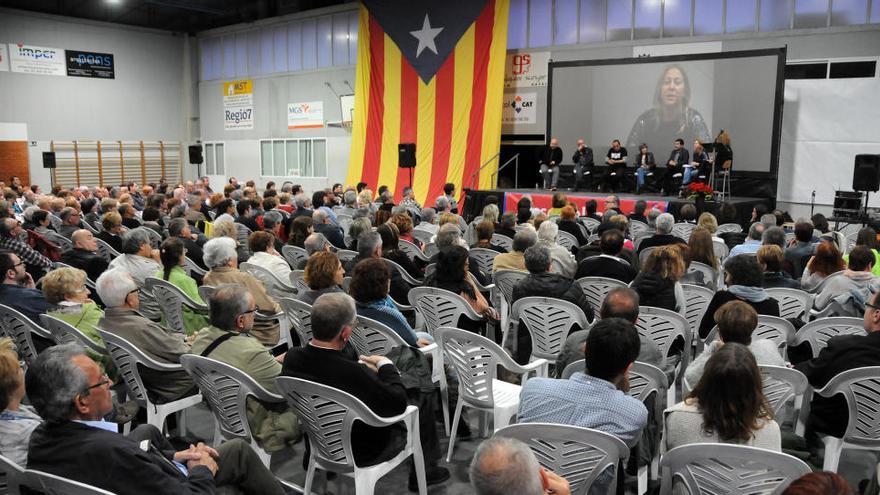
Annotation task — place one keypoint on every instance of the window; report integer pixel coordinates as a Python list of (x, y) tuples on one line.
[(215, 159), (810, 13), (566, 19), (775, 15), (619, 20), (293, 157), (540, 24), (647, 22), (740, 16), (517, 27), (592, 21), (841, 70), (707, 17), (816, 70), (676, 18), (847, 12)]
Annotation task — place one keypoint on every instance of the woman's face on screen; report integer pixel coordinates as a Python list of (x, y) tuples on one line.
[(672, 90)]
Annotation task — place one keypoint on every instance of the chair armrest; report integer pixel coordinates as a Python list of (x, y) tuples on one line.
[(261, 316), (401, 307), (539, 366), (429, 349), (379, 421), (157, 366)]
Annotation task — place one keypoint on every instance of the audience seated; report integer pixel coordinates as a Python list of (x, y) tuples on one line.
[(563, 261), (826, 261), (484, 231), (541, 282), (867, 237), (323, 225), (449, 235), (17, 420), (227, 339), (745, 280), (138, 258), (507, 225), (663, 233), (798, 253), (770, 258), (701, 247), (172, 254), (503, 466), (514, 260), (128, 215), (708, 221), (751, 244), (568, 223), (65, 289), (404, 224), (227, 228), (84, 255), (18, 289), (300, 228), (10, 235), (323, 273), (391, 251), (375, 380), (111, 230), (71, 394), (245, 210), (222, 260), (262, 245), (178, 227), (727, 405), (369, 288), (370, 246), (427, 224), (69, 221), (453, 274), (658, 283), (609, 264), (857, 278), (825, 483), (736, 321)]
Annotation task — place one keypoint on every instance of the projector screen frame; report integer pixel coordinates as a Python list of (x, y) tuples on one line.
[(779, 52)]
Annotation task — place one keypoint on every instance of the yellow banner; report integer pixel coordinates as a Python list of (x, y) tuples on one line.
[(244, 87)]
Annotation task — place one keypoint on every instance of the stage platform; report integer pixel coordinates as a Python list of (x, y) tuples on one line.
[(476, 199)]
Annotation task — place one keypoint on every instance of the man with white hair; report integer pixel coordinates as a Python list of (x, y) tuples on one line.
[(427, 224), (753, 242), (563, 261), (514, 260), (194, 209), (322, 225), (314, 243), (442, 205), (120, 295), (409, 200), (303, 206), (663, 233), (138, 258), (504, 466)]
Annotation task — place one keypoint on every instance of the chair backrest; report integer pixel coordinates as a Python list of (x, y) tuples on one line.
[(777, 330), (192, 268), (171, 301), (105, 251), (484, 257), (439, 307), (422, 235), (242, 233), (475, 360), (721, 249), (792, 302), (372, 338), (577, 454), (727, 468), (503, 241), (819, 332), (663, 327), (683, 230), (644, 379), (697, 299), (50, 484), (148, 305), (861, 389), (596, 288), (636, 227), (710, 276), (19, 328), (155, 238), (294, 255), (327, 415), (226, 388), (344, 221), (430, 269), (346, 255), (505, 280), (567, 240), (300, 315), (10, 474), (275, 286), (431, 249), (393, 266), (548, 321), (781, 384), (645, 254), (56, 221), (298, 281), (729, 227), (63, 243), (63, 333), (411, 250), (590, 222), (126, 356)]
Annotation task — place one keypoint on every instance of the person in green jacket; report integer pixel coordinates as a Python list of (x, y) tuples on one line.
[(274, 426), (66, 289), (173, 254), (868, 237)]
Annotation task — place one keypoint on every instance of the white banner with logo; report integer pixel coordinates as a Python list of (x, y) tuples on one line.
[(238, 104), (305, 115), (31, 59), (526, 69), (4, 59), (520, 108)]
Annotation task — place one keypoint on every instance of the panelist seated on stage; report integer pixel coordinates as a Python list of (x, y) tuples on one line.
[(616, 161), (646, 164), (675, 165), (549, 158), (583, 165), (699, 167)]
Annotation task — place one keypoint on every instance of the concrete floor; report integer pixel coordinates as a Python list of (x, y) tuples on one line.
[(854, 465)]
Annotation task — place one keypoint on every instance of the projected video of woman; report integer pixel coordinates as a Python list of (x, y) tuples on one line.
[(671, 116)]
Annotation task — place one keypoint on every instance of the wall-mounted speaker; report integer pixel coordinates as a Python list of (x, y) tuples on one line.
[(406, 155), (866, 173), (48, 159), (195, 154)]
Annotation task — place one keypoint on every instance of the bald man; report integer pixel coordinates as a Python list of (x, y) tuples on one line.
[(583, 165), (549, 158), (84, 255)]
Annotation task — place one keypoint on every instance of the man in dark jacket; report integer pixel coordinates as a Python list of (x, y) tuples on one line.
[(583, 165), (180, 228), (84, 255), (541, 282), (374, 380), (549, 158), (663, 235), (332, 232), (245, 215), (608, 264), (72, 395)]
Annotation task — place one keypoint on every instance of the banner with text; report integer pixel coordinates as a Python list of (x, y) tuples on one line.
[(519, 108), (544, 202), (238, 104), (305, 115), (4, 59), (526, 69), (90, 64), (30, 59)]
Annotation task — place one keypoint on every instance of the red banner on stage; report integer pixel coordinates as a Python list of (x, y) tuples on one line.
[(544, 202)]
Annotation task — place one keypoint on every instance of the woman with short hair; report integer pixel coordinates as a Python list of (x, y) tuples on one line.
[(300, 228), (173, 255), (484, 231), (227, 228), (262, 245), (745, 280), (324, 273), (727, 405), (404, 225), (771, 258), (370, 283), (826, 261), (17, 421)]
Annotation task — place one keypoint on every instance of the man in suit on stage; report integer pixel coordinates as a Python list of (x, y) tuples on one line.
[(549, 159), (678, 158)]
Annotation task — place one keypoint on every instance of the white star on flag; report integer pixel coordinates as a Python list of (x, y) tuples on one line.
[(426, 37)]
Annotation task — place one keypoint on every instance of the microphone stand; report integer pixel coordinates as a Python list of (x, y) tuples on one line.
[(813, 203)]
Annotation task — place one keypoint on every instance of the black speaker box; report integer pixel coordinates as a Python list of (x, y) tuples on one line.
[(406, 155), (48, 159), (195, 154), (866, 173)]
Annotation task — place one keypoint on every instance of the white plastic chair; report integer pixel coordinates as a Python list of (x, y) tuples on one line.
[(64, 244), (275, 285), (422, 235), (127, 357), (155, 238), (590, 223), (792, 302), (781, 385), (778, 330), (171, 301), (440, 308), (577, 454), (567, 240), (411, 250), (294, 255), (596, 288), (664, 327), (503, 241), (346, 255), (393, 266), (819, 332), (645, 254), (105, 251), (10, 475), (548, 321), (431, 249), (298, 282), (861, 389), (636, 227), (729, 227), (475, 360), (710, 275), (327, 415), (50, 484), (697, 299), (683, 230), (721, 250), (716, 468), (192, 268), (243, 233), (299, 314), (484, 258), (19, 328), (502, 296), (63, 333), (226, 389)]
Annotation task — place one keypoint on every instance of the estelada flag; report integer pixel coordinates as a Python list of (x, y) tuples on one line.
[(429, 72)]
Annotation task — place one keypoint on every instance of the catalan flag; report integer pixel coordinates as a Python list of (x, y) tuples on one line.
[(429, 72)]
